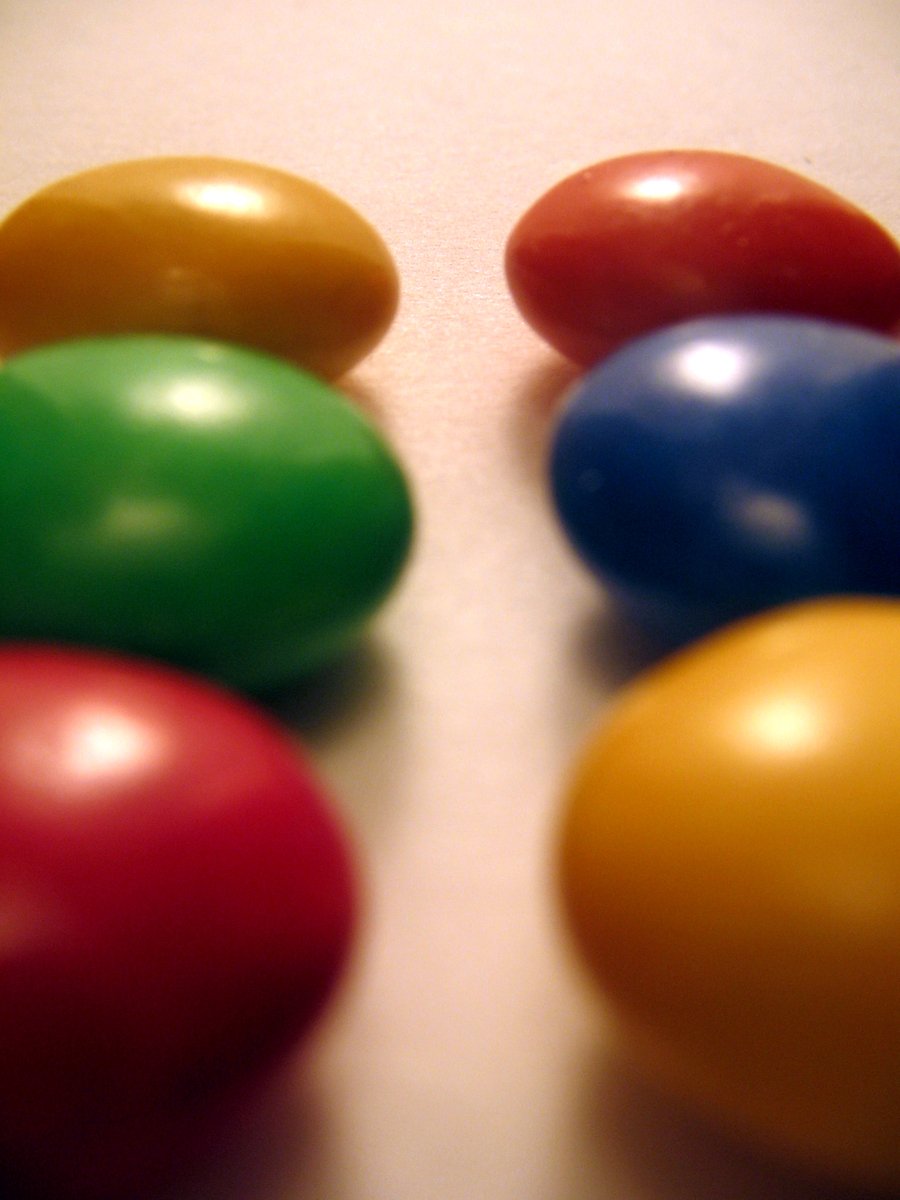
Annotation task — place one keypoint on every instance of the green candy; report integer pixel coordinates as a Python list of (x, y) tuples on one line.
[(193, 502)]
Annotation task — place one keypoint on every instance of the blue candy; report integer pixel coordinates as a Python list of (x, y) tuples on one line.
[(728, 465)]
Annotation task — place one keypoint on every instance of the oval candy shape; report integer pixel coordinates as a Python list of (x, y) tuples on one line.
[(193, 502), (647, 240), (205, 247), (726, 465), (178, 900), (729, 865)]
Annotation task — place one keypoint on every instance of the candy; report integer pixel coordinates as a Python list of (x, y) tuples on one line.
[(730, 872), (191, 501), (639, 242), (177, 905), (728, 464), (201, 246)]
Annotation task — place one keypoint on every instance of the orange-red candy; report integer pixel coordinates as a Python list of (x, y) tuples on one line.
[(635, 243)]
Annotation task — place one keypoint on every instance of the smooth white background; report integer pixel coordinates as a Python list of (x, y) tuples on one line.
[(465, 1060)]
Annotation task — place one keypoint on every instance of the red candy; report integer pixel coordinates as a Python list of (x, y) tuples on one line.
[(176, 902), (636, 243)]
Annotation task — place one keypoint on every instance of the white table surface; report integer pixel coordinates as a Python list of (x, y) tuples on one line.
[(465, 1060)]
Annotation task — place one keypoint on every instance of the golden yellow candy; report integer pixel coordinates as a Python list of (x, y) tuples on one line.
[(201, 246), (730, 869)]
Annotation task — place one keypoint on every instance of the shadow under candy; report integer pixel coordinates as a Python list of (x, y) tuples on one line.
[(331, 698), (660, 1149), (275, 1139), (609, 645), (535, 403)]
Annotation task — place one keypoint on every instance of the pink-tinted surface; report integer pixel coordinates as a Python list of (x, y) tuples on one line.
[(466, 1060)]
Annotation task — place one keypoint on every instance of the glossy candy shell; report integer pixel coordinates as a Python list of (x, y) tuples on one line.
[(730, 870), (177, 901), (636, 243), (726, 465), (202, 246), (193, 502)]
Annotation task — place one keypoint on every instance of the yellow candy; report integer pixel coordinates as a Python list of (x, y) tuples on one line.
[(730, 869), (200, 246)]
